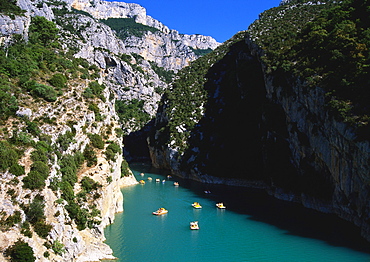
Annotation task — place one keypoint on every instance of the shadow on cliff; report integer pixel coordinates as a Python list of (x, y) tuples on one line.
[(135, 144)]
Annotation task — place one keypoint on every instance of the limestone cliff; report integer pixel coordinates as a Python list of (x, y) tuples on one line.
[(65, 111), (88, 243)]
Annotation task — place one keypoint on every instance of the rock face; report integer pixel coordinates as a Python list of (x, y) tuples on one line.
[(130, 70), (9, 27), (280, 137), (168, 48)]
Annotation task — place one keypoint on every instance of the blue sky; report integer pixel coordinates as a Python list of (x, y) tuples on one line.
[(219, 19)]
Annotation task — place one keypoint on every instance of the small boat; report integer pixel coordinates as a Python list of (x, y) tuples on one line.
[(176, 183), (163, 181), (150, 179), (169, 176), (194, 225), (160, 211), (142, 182), (157, 180), (207, 192), (141, 174), (196, 205), (220, 205)]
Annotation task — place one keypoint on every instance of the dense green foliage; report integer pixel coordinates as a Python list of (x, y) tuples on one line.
[(8, 156), (42, 31), (201, 52), (132, 110), (165, 75), (126, 27), (10, 8), (96, 141), (112, 150), (94, 89), (21, 252), (330, 51), (35, 179)]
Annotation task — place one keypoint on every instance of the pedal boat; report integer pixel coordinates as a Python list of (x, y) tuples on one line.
[(160, 211), (194, 225), (142, 182), (196, 205), (220, 205)]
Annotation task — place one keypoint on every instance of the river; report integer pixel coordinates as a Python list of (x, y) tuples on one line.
[(253, 227)]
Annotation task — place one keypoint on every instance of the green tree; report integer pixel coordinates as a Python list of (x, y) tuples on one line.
[(42, 31)]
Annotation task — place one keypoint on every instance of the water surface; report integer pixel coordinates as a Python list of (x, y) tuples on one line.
[(254, 227)]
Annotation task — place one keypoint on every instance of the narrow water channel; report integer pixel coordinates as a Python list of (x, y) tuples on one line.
[(254, 226)]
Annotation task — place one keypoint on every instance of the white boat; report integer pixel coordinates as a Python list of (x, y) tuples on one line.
[(220, 205), (176, 183), (163, 181), (157, 180), (194, 225), (141, 174), (150, 179)]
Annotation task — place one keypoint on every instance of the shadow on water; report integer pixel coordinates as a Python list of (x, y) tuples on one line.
[(290, 217)]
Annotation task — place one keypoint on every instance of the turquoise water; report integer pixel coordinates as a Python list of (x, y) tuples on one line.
[(254, 227)]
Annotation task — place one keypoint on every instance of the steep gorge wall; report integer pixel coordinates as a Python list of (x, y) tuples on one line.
[(263, 131)]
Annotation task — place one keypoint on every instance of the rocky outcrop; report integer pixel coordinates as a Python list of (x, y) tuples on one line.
[(168, 48), (9, 27)]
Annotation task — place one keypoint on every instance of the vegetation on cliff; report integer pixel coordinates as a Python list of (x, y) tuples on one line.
[(185, 99), (127, 27), (329, 49)]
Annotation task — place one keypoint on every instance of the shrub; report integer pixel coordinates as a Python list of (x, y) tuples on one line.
[(39, 90), (39, 155), (65, 140), (90, 156), (33, 128), (17, 170), (69, 166), (9, 7), (8, 156), (127, 27), (112, 150), (35, 211), (124, 168), (34, 180), (96, 110), (89, 184), (41, 168), (8, 103), (58, 247), (58, 80), (42, 229), (25, 229), (96, 141), (21, 252)]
